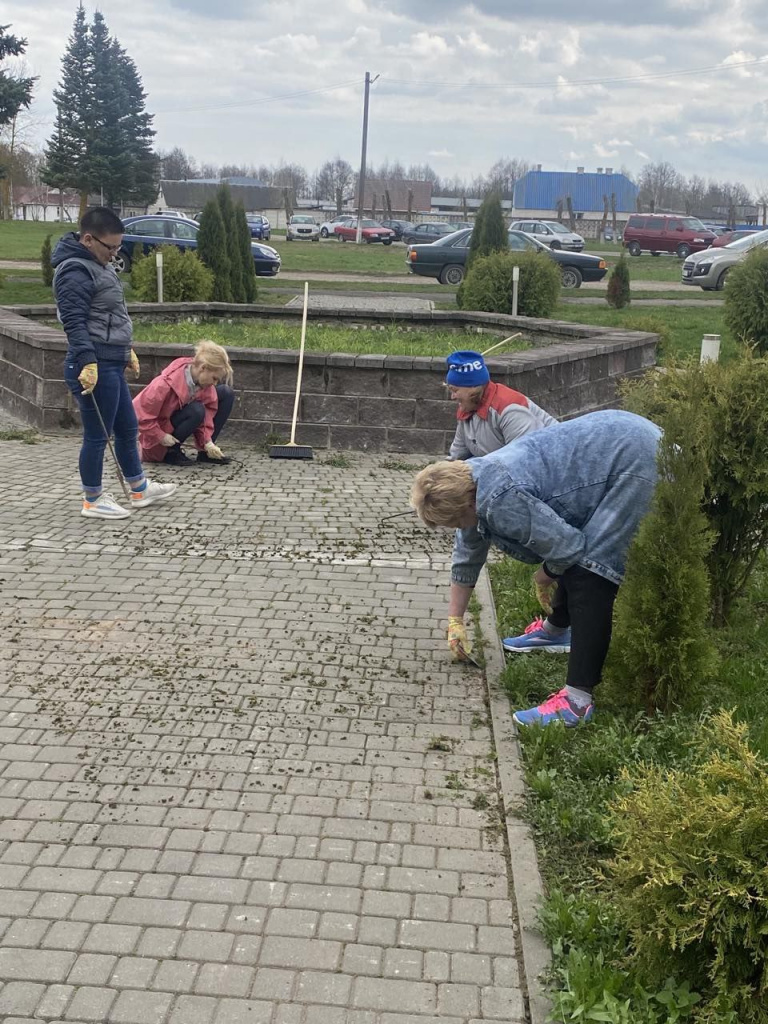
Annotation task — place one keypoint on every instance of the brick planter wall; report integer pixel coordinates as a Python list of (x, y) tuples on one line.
[(377, 403)]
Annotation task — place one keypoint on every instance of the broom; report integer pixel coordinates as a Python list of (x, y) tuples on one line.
[(293, 450)]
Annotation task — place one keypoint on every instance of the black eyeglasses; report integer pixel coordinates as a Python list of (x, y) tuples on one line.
[(110, 248)]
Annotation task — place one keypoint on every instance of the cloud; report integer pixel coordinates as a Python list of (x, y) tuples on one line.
[(442, 154), (476, 44), (424, 44)]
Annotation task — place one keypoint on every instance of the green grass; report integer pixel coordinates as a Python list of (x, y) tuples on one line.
[(573, 777), (332, 256), (250, 334), (22, 240)]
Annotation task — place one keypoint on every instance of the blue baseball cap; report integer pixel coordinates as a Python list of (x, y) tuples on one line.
[(466, 370)]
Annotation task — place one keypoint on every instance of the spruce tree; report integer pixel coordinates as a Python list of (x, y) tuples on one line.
[(618, 294), (246, 255), (212, 250), (227, 208), (15, 92), (478, 231)]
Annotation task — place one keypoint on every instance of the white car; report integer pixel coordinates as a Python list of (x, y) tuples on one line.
[(551, 233), (329, 227), (302, 227)]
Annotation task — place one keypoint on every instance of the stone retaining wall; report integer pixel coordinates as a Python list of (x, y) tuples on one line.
[(366, 402)]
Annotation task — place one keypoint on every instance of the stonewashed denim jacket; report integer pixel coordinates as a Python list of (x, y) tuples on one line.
[(573, 494)]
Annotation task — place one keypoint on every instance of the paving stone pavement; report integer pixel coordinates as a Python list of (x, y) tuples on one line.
[(240, 781)]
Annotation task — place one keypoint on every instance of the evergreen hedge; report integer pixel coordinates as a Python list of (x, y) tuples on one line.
[(746, 309), (212, 250), (488, 284), (45, 262), (185, 279), (618, 294)]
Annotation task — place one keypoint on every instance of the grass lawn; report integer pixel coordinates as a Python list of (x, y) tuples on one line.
[(23, 239), (245, 334), (341, 257)]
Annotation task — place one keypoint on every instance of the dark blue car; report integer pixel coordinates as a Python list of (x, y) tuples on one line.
[(150, 231), (259, 225)]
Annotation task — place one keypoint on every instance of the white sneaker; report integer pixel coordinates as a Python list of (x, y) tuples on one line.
[(103, 507), (152, 492)]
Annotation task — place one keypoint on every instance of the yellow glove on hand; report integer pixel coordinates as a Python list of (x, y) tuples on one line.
[(544, 593), (134, 364), (88, 377), (213, 451), (458, 641)]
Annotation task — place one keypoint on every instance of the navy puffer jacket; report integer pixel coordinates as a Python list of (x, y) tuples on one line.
[(90, 304)]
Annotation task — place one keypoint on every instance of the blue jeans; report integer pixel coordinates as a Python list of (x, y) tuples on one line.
[(114, 401), (187, 419)]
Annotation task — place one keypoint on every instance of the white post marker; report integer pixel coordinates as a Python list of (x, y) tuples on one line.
[(159, 264), (515, 286), (710, 348)]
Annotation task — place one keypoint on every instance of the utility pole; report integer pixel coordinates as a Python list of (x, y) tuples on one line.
[(361, 180)]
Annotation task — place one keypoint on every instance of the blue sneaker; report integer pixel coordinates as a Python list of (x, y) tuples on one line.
[(536, 638), (556, 708)]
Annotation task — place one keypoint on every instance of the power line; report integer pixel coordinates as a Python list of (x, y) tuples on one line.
[(559, 82), (264, 97)]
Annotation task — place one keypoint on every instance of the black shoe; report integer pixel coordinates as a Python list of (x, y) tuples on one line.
[(177, 457), (205, 457)]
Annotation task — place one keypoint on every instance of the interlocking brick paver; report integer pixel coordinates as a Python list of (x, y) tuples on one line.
[(219, 817)]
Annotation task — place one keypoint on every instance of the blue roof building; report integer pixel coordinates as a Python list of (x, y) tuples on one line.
[(539, 192)]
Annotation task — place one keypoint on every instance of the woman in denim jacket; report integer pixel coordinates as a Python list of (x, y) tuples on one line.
[(571, 498)]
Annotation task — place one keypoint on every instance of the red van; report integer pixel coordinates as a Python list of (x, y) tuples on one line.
[(656, 232)]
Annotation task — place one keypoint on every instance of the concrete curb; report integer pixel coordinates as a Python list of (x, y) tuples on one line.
[(526, 879)]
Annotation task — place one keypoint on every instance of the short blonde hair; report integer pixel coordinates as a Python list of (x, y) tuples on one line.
[(214, 357), (443, 493)]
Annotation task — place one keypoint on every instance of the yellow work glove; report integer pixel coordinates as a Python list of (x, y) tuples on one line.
[(458, 641), (134, 364), (545, 591), (213, 451), (88, 377), (168, 440)]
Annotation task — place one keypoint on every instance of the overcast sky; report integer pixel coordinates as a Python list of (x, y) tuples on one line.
[(252, 81)]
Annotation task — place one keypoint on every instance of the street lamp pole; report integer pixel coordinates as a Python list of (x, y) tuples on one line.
[(361, 180)]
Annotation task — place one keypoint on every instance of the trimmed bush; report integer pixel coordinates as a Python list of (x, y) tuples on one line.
[(618, 294), (212, 250), (185, 279), (232, 241), (45, 262), (488, 284), (746, 311), (490, 232), (690, 875), (728, 401), (243, 234), (663, 650)]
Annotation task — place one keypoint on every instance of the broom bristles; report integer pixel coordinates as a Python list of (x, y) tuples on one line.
[(291, 451)]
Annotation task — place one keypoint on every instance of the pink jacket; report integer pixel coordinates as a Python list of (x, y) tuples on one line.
[(160, 399)]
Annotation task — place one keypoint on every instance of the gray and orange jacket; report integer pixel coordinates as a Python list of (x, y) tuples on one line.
[(503, 416)]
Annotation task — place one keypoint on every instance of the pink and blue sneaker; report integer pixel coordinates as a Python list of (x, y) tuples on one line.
[(537, 637), (556, 708)]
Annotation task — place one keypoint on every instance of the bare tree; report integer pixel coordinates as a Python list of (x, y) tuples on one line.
[(176, 165), (333, 181)]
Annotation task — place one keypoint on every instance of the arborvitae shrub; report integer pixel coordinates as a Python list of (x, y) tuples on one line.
[(746, 311), (490, 232), (232, 240), (212, 250), (618, 294), (185, 279), (690, 875), (45, 262), (243, 235), (488, 284)]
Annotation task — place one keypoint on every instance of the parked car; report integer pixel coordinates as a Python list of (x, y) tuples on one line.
[(302, 227), (657, 233), (150, 231), (733, 236), (446, 258), (398, 226), (608, 234), (418, 234), (457, 225), (259, 225), (329, 226), (551, 233), (170, 213), (371, 231), (709, 269)]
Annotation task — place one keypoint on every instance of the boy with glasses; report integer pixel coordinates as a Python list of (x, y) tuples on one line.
[(91, 306)]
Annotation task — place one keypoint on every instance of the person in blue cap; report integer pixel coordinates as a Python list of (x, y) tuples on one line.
[(569, 499), (489, 416)]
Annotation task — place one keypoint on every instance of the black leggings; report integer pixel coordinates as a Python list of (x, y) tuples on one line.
[(188, 418), (584, 601)]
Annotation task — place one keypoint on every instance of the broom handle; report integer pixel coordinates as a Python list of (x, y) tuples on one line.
[(500, 343), (301, 364)]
